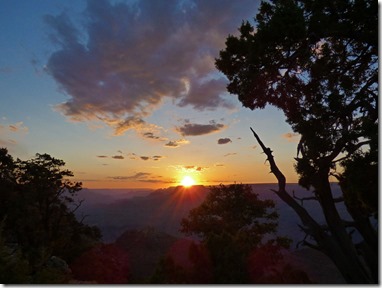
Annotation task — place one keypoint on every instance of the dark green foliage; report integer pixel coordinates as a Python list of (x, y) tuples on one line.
[(317, 61), (37, 207), (168, 272), (231, 222), (14, 268)]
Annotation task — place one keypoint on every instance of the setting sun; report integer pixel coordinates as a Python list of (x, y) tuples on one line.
[(187, 181)]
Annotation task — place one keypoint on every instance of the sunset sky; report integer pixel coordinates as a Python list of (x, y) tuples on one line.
[(127, 94)]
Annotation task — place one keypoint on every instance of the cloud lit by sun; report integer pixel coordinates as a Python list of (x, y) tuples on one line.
[(187, 181)]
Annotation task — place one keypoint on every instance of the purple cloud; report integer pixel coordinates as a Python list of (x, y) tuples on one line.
[(224, 141), (128, 58), (190, 129)]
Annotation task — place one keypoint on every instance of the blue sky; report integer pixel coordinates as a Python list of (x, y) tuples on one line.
[(126, 93)]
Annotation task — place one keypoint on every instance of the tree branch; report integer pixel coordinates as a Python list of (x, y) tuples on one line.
[(303, 199), (317, 232), (78, 205)]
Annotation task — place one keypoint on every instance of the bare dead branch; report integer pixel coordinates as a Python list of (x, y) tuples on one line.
[(315, 229), (83, 218), (304, 198), (78, 205)]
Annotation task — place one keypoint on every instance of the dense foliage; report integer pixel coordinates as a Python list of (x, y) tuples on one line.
[(233, 223), (37, 202), (317, 61)]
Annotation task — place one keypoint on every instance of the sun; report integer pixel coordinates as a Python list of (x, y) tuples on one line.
[(187, 181)]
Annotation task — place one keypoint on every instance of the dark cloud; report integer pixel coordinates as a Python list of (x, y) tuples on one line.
[(224, 141), (137, 176), (143, 177), (190, 129), (176, 143), (119, 157), (102, 156), (126, 58), (155, 158), (156, 181), (150, 135)]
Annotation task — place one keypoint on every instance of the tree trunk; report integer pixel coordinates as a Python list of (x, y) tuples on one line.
[(336, 244)]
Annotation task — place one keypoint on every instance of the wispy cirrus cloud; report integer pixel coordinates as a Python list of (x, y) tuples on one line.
[(127, 58), (230, 154)]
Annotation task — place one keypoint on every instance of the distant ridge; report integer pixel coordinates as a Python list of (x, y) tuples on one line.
[(163, 209)]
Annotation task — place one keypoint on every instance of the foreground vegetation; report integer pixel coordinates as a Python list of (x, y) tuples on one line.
[(39, 233)]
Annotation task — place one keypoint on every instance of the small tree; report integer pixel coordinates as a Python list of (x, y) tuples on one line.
[(37, 197), (317, 61), (231, 222)]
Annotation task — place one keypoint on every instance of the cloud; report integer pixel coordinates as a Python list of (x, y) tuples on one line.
[(194, 168), (143, 177), (230, 154), (154, 158), (224, 141), (102, 156), (176, 143), (125, 59), (192, 129), (16, 128), (119, 157), (136, 176), (11, 134), (7, 142), (291, 137), (150, 135)]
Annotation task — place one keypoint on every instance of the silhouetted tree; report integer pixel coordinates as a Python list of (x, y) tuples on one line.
[(37, 207), (231, 222), (317, 62)]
